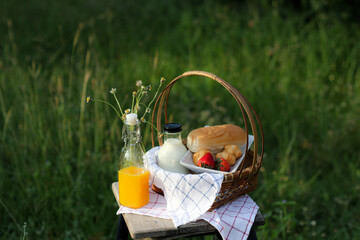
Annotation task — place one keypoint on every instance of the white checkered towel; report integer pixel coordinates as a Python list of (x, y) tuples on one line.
[(188, 196), (233, 220)]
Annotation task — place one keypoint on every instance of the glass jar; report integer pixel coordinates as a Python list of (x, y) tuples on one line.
[(173, 150), (133, 177)]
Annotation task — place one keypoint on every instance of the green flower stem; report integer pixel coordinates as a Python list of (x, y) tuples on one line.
[(152, 126), (138, 100), (157, 91), (132, 104), (120, 116), (118, 105), (142, 104)]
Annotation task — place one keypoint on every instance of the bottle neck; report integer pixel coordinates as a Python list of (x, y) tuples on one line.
[(169, 135), (132, 153), (131, 133)]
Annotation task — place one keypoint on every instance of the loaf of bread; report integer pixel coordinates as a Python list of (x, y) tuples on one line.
[(214, 138)]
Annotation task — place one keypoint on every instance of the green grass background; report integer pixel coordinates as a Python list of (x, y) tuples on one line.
[(297, 64)]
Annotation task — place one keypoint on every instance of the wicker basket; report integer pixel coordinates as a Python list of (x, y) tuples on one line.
[(244, 179)]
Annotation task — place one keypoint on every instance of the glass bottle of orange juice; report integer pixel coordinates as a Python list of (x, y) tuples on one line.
[(133, 177)]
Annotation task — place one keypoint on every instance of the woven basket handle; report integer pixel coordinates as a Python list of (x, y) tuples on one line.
[(240, 99)]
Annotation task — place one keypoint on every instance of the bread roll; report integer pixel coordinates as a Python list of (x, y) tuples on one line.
[(227, 156), (214, 138), (234, 150)]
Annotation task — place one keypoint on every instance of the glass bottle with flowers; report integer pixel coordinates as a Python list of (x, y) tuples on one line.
[(133, 176)]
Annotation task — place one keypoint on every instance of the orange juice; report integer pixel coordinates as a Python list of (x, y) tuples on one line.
[(133, 187)]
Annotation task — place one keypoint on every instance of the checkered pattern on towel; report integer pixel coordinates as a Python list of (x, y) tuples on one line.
[(188, 196), (233, 220)]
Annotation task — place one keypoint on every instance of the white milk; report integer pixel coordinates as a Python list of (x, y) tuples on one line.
[(170, 154)]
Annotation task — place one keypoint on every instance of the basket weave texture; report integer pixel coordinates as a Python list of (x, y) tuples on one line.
[(245, 178)]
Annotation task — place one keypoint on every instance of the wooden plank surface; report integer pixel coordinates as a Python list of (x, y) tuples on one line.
[(141, 226)]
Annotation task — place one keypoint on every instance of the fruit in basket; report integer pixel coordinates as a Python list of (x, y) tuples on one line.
[(207, 161), (198, 155), (222, 165)]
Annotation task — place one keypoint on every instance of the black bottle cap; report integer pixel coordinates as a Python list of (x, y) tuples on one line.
[(172, 127)]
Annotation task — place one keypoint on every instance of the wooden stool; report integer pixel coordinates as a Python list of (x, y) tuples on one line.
[(140, 226)]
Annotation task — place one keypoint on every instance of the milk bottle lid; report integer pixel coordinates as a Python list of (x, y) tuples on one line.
[(172, 127)]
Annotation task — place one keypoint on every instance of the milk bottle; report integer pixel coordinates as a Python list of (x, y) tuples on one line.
[(173, 150)]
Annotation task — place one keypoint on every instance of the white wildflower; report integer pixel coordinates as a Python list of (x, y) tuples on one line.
[(138, 83), (113, 90)]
